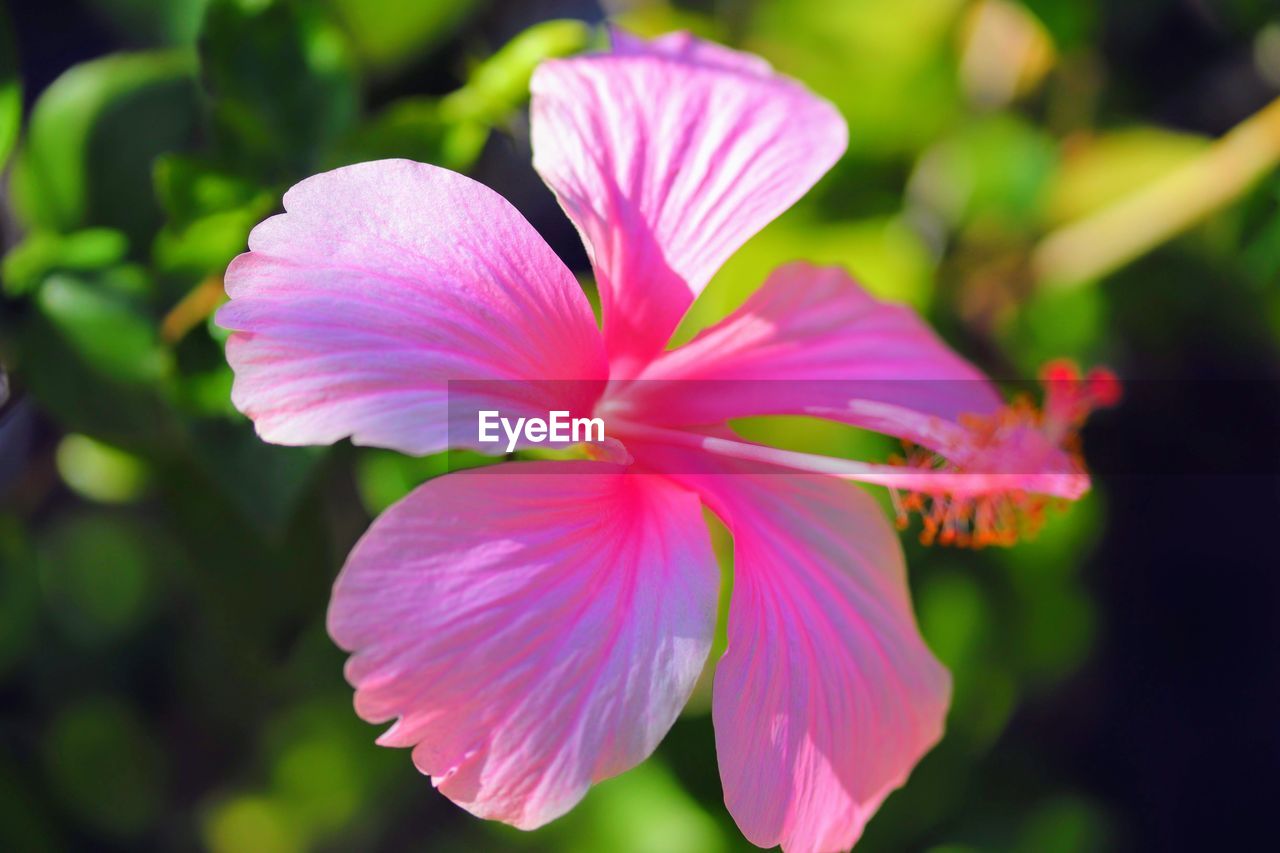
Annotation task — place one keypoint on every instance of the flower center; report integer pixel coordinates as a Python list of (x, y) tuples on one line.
[(1014, 442)]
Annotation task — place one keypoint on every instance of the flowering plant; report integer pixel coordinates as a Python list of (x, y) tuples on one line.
[(531, 633)]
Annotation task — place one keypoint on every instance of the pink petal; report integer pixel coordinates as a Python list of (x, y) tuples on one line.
[(667, 157), (811, 341), (535, 627), (382, 282), (826, 696)]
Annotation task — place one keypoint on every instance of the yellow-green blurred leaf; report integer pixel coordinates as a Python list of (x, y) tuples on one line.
[(207, 244), (892, 72), (642, 811), (655, 18), (1110, 166), (99, 471), (500, 83), (384, 477), (322, 767), (247, 822), (391, 33)]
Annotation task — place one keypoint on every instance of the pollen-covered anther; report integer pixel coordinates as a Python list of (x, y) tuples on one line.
[(999, 448), (999, 518)]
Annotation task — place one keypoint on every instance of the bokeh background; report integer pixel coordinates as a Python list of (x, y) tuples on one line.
[(1051, 177)]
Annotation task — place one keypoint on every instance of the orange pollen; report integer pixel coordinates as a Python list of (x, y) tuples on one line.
[(1002, 517)]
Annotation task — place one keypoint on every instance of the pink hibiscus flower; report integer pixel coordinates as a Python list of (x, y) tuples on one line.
[(530, 633)]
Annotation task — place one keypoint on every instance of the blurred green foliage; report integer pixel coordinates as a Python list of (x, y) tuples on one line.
[(106, 734), (164, 573), (83, 162), (10, 90), (388, 34), (282, 85), (172, 22)]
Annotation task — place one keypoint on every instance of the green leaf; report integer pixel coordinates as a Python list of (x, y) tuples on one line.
[(207, 392), (413, 128), (384, 476), (954, 618), (391, 33), (1107, 167), (892, 76), (75, 392), (161, 22), (451, 131), (282, 83), (93, 138), (264, 481), (643, 810), (10, 90), (91, 357), (45, 252), (189, 188), (210, 213), (993, 173), (500, 84), (107, 329), (208, 244), (100, 472)]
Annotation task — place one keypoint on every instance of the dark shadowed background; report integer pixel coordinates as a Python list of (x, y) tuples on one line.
[(1040, 178)]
